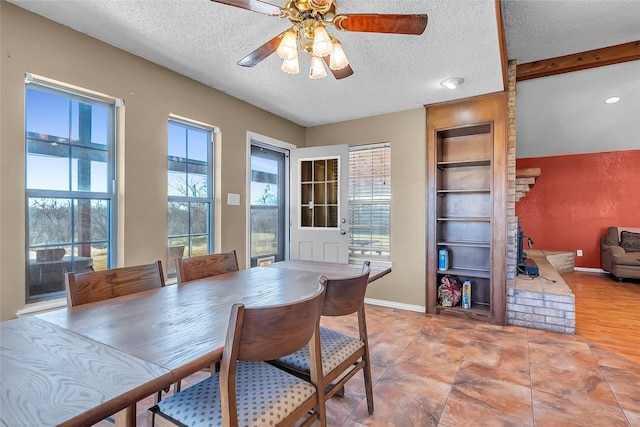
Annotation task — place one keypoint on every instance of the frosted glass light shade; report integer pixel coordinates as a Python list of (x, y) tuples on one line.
[(288, 49), (322, 45), (338, 59), (317, 70), (290, 66)]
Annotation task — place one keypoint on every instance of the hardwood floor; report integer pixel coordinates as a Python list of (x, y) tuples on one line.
[(446, 372), (607, 312)]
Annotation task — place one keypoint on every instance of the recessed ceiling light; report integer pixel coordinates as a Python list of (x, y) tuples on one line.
[(452, 83), (612, 100)]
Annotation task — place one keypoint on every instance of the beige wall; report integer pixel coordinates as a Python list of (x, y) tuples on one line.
[(31, 44), (407, 133)]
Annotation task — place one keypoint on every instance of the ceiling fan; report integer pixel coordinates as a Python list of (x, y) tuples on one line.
[(308, 33)]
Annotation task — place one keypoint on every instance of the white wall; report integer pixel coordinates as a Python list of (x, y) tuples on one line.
[(565, 113)]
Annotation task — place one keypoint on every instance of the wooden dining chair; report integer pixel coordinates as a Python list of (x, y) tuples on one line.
[(104, 284), (173, 253), (201, 266), (342, 355), (247, 391), (198, 267)]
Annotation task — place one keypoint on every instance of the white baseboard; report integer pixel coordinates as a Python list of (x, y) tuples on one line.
[(42, 307), (590, 270), (393, 304)]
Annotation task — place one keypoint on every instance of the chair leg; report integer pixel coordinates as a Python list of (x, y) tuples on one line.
[(322, 411), (368, 383), (213, 369), (158, 397)]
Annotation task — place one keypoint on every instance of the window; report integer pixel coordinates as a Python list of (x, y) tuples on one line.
[(190, 190), (70, 186), (370, 201), (319, 193)]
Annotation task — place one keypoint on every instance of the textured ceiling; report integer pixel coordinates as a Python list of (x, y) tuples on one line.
[(541, 29), (566, 114), (204, 40)]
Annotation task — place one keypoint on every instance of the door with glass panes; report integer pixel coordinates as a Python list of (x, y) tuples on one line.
[(268, 219), (319, 204)]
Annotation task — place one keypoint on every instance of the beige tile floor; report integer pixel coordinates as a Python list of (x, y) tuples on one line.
[(441, 371)]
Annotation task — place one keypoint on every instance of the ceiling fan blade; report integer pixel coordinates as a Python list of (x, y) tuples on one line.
[(338, 74), (262, 52), (374, 23), (254, 5)]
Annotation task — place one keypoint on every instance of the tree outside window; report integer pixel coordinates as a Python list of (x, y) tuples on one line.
[(190, 191), (70, 182)]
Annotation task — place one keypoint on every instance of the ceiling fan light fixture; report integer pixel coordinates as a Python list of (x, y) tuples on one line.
[(288, 49), (612, 100), (321, 3), (290, 66), (338, 59), (308, 33), (452, 83), (322, 45), (317, 70)]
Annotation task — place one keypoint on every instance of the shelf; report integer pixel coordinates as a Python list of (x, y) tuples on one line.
[(470, 190), (466, 130), (466, 218), (465, 243), (461, 168), (467, 272), (464, 163), (476, 309)]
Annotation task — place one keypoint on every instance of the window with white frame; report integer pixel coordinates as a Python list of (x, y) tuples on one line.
[(69, 186), (190, 191), (370, 201)]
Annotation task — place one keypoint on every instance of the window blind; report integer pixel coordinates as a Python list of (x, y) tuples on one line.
[(370, 201)]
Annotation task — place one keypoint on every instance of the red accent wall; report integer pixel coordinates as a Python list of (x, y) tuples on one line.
[(577, 197)]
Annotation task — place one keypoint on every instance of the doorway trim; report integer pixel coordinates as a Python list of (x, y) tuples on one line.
[(276, 145)]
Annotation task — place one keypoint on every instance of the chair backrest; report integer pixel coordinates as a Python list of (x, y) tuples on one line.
[(105, 284), (198, 267), (346, 296), (268, 333), (173, 253)]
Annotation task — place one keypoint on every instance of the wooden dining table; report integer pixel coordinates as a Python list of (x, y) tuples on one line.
[(172, 332)]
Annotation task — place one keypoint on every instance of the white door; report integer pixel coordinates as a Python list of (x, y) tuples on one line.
[(319, 204)]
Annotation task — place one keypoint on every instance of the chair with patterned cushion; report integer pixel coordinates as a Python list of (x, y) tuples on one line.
[(342, 355), (247, 391), (104, 284), (198, 267)]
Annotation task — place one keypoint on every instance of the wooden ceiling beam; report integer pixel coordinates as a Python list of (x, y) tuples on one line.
[(579, 61)]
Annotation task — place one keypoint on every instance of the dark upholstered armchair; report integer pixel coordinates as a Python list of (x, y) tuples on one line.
[(620, 250)]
